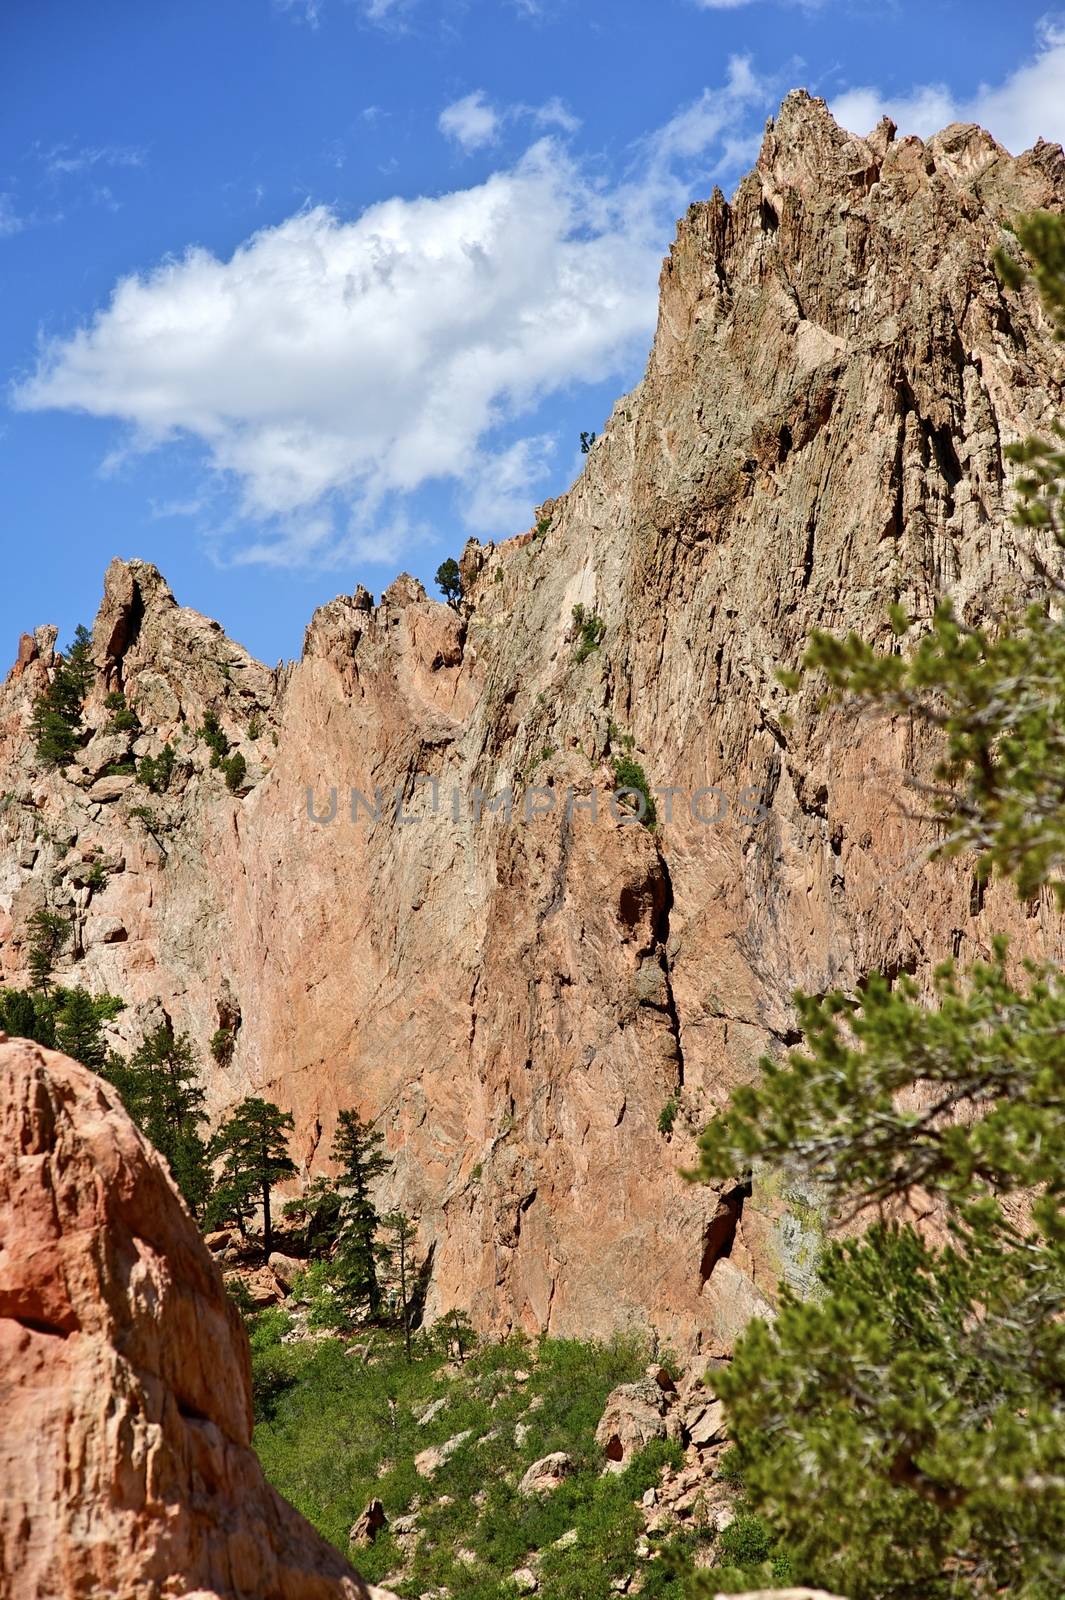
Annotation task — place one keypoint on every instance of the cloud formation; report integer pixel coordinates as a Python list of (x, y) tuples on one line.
[(471, 121), (1029, 104), (330, 368)]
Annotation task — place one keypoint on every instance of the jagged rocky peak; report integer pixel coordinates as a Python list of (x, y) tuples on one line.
[(516, 995)]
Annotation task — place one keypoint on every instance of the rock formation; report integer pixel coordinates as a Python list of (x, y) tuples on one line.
[(125, 1383), (516, 1000)]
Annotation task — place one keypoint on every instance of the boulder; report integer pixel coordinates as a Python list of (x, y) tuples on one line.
[(706, 1425), (525, 1580), (634, 1415), (426, 1462), (781, 1594), (546, 1474), (364, 1529), (111, 788), (125, 1378), (286, 1269), (260, 1285)]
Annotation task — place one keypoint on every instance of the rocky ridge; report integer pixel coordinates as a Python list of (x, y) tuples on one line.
[(517, 1001)]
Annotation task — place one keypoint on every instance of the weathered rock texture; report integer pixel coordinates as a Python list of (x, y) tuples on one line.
[(125, 1385), (821, 431)]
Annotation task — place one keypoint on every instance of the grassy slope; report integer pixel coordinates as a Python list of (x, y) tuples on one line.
[(334, 1432)]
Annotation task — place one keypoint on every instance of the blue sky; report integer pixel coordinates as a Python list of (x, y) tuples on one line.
[(295, 295)]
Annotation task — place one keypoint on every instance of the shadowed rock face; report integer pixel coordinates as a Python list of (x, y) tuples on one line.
[(821, 431), (125, 1385)]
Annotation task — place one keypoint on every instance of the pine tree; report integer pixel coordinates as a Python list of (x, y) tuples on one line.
[(319, 1209), (449, 581), (57, 724), (358, 1152), (25, 1015), (50, 933), (253, 1145), (79, 1025), (903, 1429), (160, 1088)]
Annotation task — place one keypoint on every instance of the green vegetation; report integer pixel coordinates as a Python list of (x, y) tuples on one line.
[(234, 770), (333, 1432), (50, 933), (213, 737), (253, 1145), (668, 1115), (449, 581), (902, 1431), (96, 876), (628, 774), (359, 1154), (57, 724), (122, 719), (155, 772), (79, 1020), (161, 1090), (318, 1209), (71, 1020), (223, 1043), (590, 631)]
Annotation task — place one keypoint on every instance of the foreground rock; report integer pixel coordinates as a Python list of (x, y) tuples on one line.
[(125, 1391)]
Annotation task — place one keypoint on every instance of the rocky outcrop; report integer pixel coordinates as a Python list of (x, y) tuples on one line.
[(517, 996), (125, 1390)]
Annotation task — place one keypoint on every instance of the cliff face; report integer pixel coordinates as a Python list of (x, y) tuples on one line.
[(125, 1382), (835, 375)]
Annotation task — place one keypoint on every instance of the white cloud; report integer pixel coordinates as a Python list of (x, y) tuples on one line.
[(552, 114), (330, 368), (10, 221), (62, 160), (366, 357), (471, 121), (1029, 104), (308, 11), (474, 122), (501, 489)]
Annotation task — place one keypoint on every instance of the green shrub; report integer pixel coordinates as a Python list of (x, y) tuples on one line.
[(668, 1115), (590, 631), (213, 737), (122, 720), (155, 772), (223, 1043), (96, 877), (332, 1430), (628, 774), (234, 770)]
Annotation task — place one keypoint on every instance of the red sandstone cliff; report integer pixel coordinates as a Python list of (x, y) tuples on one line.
[(125, 1383), (821, 431)]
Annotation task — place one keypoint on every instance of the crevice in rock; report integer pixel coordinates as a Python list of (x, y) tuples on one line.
[(39, 1325), (808, 553), (661, 933), (719, 1235), (190, 1412)]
